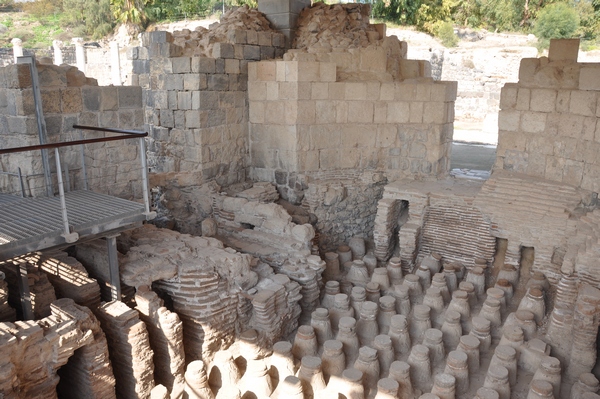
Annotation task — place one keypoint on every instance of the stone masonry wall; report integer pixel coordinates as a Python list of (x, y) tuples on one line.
[(33, 351), (303, 120), (548, 123), (196, 105), (69, 98), (345, 207)]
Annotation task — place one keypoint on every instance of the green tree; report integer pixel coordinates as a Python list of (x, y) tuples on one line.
[(557, 21), (432, 13), (589, 18), (91, 18), (130, 11)]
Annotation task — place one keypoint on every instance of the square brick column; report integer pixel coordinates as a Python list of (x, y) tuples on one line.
[(283, 15)]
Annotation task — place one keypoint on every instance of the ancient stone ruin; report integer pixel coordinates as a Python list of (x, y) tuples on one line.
[(310, 241)]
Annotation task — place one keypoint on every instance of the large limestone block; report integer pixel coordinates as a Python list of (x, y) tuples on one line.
[(543, 100), (563, 50), (589, 77)]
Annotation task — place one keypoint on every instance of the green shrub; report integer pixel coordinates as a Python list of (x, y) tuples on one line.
[(23, 34), (556, 21), (445, 32)]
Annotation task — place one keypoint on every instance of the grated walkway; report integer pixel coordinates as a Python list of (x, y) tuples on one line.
[(34, 224)]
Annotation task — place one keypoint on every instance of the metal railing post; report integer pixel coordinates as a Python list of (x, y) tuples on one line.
[(83, 169), (69, 237), (144, 175), (21, 182)]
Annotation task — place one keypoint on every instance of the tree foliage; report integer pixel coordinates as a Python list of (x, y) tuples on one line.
[(495, 15), (557, 21), (94, 18)]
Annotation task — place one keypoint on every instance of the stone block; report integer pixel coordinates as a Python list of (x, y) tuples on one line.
[(184, 100), (278, 40), (267, 52), (172, 99), (379, 112), (265, 38), (398, 112), (307, 71), (232, 66), (130, 96), (166, 118), (373, 59), (218, 82), (329, 159), (50, 101), (543, 100), (109, 99), (91, 98), (71, 100), (527, 70), (191, 81), (591, 178), (319, 90), (141, 66), (554, 168), (209, 100), (306, 112), (424, 93), (341, 111), (192, 119), (308, 161), (169, 50), (523, 99), (203, 65), (563, 99), (252, 52), (434, 112), (337, 90), (360, 111), (262, 71), (589, 77), (252, 37), (181, 64), (410, 69), (563, 50), (387, 92), (406, 92), (356, 91), (237, 36), (257, 91), (22, 124), (174, 82), (416, 112), (88, 118), (274, 112), (327, 72), (533, 122), (160, 37), (583, 102), (238, 51), (324, 112), (509, 121), (223, 50), (373, 90), (570, 125)]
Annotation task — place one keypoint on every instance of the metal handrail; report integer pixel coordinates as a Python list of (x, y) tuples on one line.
[(126, 134)]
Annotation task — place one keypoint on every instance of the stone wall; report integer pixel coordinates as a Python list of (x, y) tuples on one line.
[(303, 120), (548, 121), (196, 105), (415, 219), (345, 205), (69, 98), (33, 351)]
